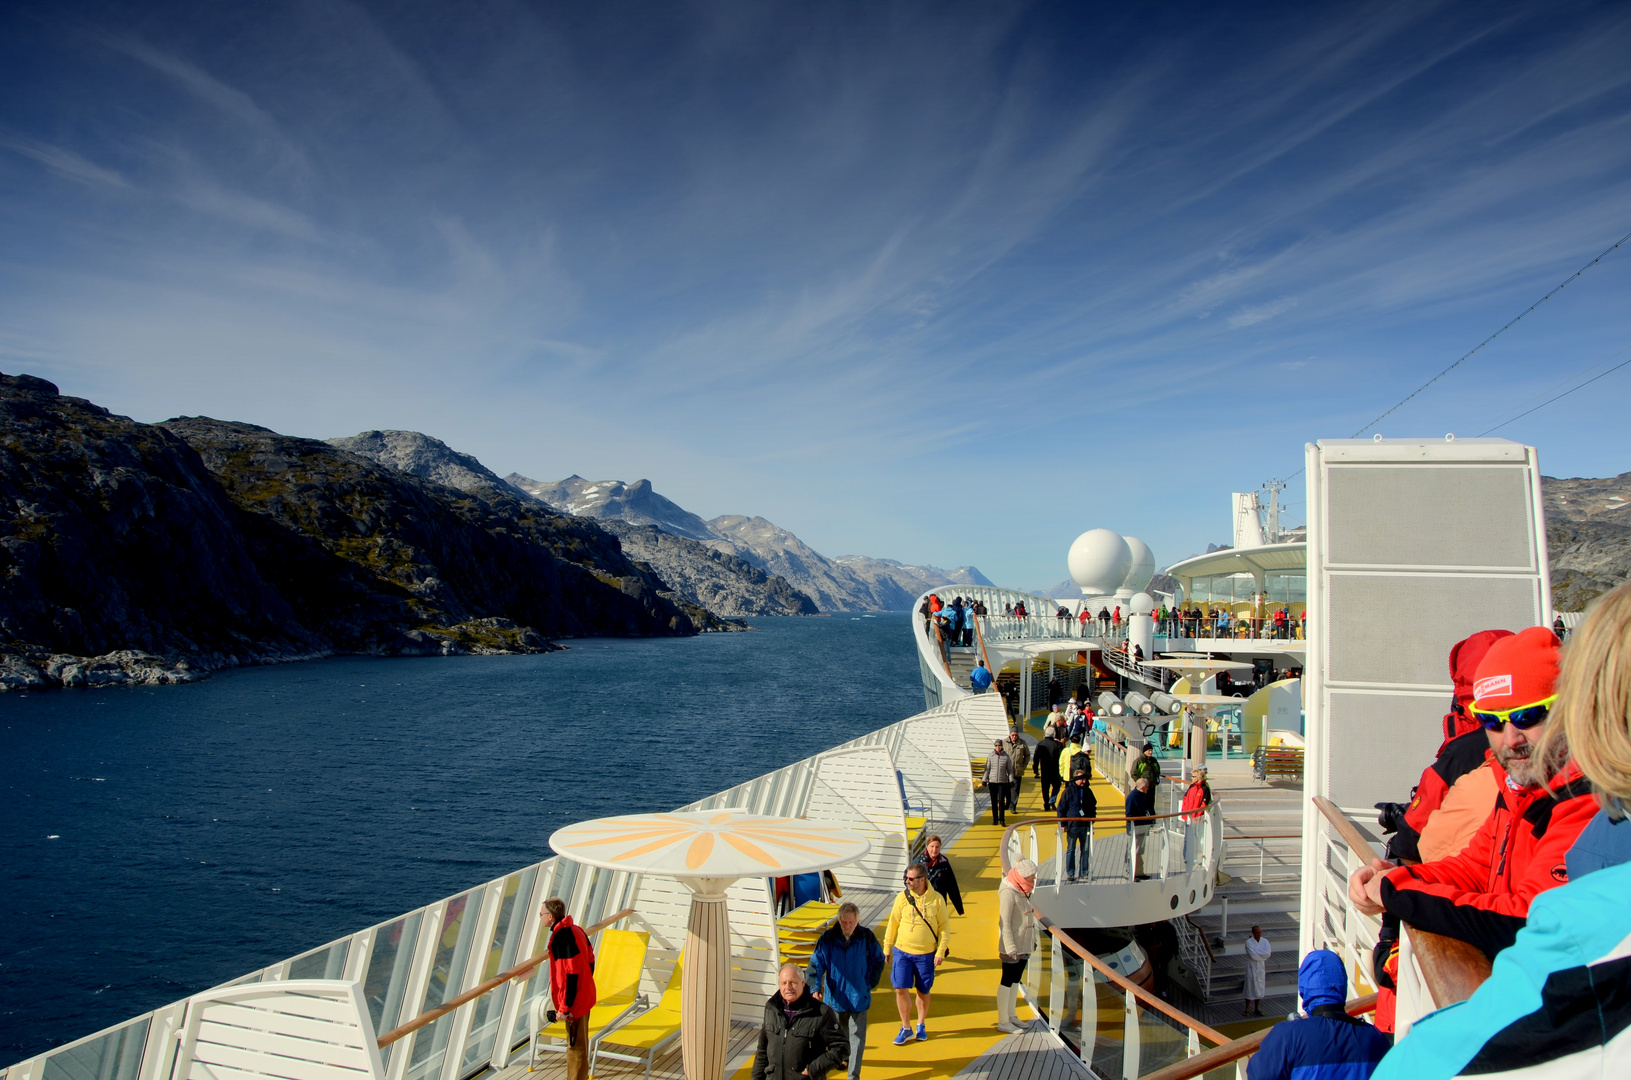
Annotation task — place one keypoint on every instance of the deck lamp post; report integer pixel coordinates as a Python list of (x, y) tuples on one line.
[(708, 850)]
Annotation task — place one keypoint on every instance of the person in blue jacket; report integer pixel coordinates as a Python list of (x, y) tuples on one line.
[(980, 678), (844, 969), (1327, 1043)]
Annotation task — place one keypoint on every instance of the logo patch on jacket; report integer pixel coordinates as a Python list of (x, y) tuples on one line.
[(1560, 872)]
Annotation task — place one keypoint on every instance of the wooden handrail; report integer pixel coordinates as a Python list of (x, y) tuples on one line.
[(1218, 1056), (1452, 968), (523, 968), (1143, 995), (1348, 830)]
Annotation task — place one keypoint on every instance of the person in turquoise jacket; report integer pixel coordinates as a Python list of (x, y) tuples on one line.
[(1560, 995)]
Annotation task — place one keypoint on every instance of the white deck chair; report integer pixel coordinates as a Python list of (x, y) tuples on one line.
[(304, 1029)]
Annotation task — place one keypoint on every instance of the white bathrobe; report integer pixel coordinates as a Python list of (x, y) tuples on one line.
[(1257, 967)]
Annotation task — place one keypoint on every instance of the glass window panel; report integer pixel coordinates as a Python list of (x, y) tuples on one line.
[(114, 1056), (594, 904), (501, 955), (446, 981), (386, 979), (327, 963)]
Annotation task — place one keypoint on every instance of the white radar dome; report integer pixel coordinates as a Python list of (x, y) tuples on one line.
[(1142, 603), (1143, 568), (1099, 561)]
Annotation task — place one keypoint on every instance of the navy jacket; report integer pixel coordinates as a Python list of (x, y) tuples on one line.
[(844, 972), (1604, 842), (1077, 802), (1321, 1047), (1140, 804)]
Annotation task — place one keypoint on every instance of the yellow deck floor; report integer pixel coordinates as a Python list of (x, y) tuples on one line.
[(963, 1006)]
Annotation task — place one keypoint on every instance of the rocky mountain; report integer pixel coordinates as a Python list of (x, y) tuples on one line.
[(848, 583), (613, 500), (1588, 537), (155, 553), (427, 458), (720, 581)]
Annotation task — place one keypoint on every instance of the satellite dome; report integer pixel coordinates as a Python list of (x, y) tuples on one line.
[(1099, 561), (1142, 603), (1143, 567)]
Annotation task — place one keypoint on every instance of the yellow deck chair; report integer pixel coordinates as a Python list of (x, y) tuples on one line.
[(618, 963), (647, 1034)]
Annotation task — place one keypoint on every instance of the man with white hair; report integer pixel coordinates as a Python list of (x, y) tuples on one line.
[(1016, 938), (800, 1037)]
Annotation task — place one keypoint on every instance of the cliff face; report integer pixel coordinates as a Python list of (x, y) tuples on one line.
[(394, 549), (118, 540), (717, 580), (427, 458), (155, 553), (1588, 537)]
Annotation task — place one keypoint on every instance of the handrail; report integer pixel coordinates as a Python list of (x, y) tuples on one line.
[(1452, 968), (1137, 991), (1218, 1056), (1348, 830), (979, 635), (525, 967)]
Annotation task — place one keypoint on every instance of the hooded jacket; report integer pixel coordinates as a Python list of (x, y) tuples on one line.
[(845, 970), (1482, 895), (1328, 1044), (812, 1042), (1558, 999), (1459, 755)]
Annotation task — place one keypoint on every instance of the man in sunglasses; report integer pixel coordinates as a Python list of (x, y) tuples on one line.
[(1482, 894)]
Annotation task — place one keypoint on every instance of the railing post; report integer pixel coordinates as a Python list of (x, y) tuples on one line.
[(1130, 1038), (1223, 928), (1192, 1045), (1058, 857)]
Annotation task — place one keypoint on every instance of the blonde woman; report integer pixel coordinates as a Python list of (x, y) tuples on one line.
[(1556, 998)]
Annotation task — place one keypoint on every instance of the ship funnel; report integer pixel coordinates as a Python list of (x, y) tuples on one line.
[(1140, 704), (1110, 704), (1167, 703)]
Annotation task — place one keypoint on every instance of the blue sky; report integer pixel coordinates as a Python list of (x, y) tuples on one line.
[(938, 283)]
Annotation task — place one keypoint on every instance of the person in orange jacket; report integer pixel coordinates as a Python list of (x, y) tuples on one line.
[(1481, 895)]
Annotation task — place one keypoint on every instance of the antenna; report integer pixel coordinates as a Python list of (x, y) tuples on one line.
[(1274, 487)]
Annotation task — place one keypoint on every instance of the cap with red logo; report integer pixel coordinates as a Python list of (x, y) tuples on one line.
[(1517, 671)]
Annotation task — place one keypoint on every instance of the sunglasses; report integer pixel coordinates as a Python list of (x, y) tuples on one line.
[(1523, 718)]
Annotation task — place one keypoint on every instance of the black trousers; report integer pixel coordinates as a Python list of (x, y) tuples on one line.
[(1050, 791), (999, 802), (1013, 971)]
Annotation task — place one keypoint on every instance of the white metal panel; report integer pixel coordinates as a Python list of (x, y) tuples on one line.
[(985, 720), (932, 760), (1412, 546), (309, 1029), (857, 788)]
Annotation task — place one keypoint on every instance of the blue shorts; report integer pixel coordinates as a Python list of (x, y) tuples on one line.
[(912, 970)]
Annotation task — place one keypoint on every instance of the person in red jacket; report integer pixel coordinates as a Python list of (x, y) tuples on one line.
[(1462, 751), (571, 983), (1482, 895)]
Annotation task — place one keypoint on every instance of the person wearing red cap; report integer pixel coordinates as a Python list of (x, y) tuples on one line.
[(1453, 797), (1456, 792), (1482, 894)]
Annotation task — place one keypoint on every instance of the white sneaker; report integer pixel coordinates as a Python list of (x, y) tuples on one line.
[(1009, 1027)]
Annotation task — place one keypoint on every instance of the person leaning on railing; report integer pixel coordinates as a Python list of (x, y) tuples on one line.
[(1558, 1000), (1482, 895)]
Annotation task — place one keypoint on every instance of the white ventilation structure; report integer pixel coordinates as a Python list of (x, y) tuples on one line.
[(1412, 546)]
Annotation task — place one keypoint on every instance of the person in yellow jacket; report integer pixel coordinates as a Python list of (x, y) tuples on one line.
[(919, 939)]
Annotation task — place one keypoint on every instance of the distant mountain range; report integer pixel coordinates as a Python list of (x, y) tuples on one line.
[(847, 583), (1588, 537)]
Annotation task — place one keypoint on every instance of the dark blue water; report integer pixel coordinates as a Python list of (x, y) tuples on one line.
[(158, 841)]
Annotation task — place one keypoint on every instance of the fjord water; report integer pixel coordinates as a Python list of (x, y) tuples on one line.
[(158, 841)]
